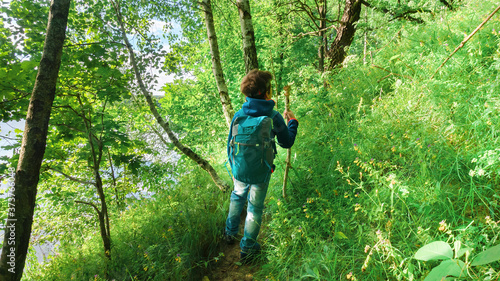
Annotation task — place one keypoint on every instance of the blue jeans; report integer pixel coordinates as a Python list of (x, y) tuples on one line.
[(255, 194)]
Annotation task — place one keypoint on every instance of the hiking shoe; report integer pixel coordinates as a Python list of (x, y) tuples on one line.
[(250, 256), (229, 239)]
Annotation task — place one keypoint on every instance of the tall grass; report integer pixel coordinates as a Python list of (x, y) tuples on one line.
[(172, 236), (384, 162)]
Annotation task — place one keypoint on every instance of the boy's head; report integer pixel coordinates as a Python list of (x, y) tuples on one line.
[(257, 84)]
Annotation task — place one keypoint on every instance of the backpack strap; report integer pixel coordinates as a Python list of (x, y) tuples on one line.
[(235, 129), (273, 114)]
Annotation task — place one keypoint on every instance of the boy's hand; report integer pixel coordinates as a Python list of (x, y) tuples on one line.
[(289, 115)]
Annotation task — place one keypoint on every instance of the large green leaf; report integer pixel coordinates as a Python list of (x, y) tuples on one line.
[(490, 255), (462, 251), (438, 250), (446, 268)]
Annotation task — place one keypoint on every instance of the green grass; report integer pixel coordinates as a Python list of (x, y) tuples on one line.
[(170, 237), (383, 168)]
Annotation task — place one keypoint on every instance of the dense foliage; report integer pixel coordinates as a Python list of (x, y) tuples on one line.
[(386, 161)]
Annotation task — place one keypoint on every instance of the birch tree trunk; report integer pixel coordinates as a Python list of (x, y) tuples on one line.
[(247, 32), (23, 193), (345, 33), (216, 64), (164, 124)]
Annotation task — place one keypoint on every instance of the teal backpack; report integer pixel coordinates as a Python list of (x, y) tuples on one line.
[(252, 149)]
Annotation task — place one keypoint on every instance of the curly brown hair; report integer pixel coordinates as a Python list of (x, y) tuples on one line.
[(256, 84)]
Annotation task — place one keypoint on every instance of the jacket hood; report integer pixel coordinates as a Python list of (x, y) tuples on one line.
[(257, 107)]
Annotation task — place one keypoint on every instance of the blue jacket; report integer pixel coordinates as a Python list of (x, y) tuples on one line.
[(259, 107)]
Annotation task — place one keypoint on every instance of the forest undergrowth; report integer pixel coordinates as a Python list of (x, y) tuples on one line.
[(386, 161)]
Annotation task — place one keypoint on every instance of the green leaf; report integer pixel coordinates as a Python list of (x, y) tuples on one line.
[(18, 131), (394, 57), (446, 268), (28, 65), (6, 95), (438, 250), (490, 255), (462, 251), (340, 235)]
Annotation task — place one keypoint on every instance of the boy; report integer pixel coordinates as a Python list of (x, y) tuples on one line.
[(256, 86)]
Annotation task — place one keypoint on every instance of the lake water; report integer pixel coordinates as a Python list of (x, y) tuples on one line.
[(7, 138)]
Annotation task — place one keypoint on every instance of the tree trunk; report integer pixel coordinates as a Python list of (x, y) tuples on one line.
[(23, 193), (216, 64), (281, 47), (96, 161), (345, 33), (249, 49), (173, 138), (103, 216), (322, 35)]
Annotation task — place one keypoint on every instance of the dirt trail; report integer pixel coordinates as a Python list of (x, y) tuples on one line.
[(228, 267)]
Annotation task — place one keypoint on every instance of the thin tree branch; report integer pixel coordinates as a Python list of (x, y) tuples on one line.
[(76, 88), (308, 11), (113, 177), (24, 94), (140, 33), (316, 2), (90, 204), (405, 14), (70, 177), (72, 109), (300, 9), (102, 119), (9, 138), (316, 32), (94, 43), (383, 78), (165, 142), (466, 39), (88, 127), (392, 73), (69, 127)]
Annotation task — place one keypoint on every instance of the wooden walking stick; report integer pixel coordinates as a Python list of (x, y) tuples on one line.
[(466, 39), (289, 151)]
